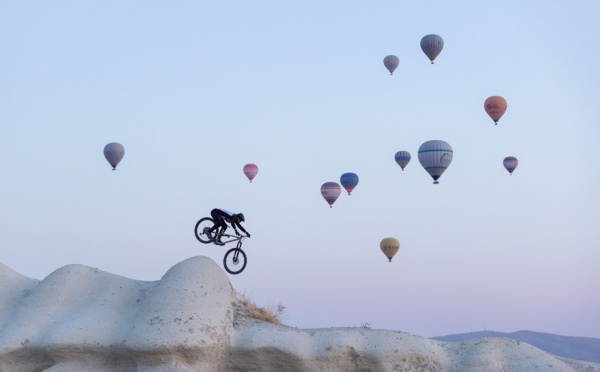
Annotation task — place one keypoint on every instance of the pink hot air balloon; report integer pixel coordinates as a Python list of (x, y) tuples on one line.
[(510, 163), (250, 170)]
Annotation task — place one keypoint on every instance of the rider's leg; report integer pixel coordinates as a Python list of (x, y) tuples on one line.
[(220, 224), (223, 228)]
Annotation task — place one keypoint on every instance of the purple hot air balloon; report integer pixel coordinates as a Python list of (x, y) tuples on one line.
[(349, 181), (510, 163), (330, 191)]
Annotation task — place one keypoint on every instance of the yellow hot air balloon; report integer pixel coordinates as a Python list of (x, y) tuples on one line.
[(389, 247)]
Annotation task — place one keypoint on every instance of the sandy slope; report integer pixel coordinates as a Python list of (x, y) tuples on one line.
[(80, 318)]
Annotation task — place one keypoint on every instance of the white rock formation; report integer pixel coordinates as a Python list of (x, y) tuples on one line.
[(83, 319)]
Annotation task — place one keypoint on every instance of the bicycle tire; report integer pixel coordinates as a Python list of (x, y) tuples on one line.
[(200, 230), (235, 263)]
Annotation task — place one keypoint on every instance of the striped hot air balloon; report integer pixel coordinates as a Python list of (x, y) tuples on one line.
[(435, 156), (510, 163), (250, 170), (402, 158), (330, 191), (391, 62)]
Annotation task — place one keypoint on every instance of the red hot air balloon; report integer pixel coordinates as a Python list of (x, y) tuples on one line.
[(250, 170), (330, 191)]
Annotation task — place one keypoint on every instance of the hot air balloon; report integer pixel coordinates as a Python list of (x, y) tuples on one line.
[(435, 156), (391, 62), (330, 191), (402, 158), (349, 181), (389, 247), (495, 106), (510, 163), (432, 45), (250, 170), (114, 152)]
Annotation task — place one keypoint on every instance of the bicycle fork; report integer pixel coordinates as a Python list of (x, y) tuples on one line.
[(236, 253)]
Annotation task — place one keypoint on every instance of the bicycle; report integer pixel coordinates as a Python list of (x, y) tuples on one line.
[(235, 259)]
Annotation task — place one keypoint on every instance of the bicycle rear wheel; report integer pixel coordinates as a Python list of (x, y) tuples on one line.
[(202, 230), (235, 261)]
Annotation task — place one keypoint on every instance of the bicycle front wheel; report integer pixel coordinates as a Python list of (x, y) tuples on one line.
[(202, 230), (235, 261)]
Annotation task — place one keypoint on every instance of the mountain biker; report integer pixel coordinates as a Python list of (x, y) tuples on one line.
[(221, 217)]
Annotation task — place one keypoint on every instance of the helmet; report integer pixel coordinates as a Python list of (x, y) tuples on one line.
[(240, 216)]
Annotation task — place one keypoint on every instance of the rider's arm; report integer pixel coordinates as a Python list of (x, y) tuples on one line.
[(240, 226)]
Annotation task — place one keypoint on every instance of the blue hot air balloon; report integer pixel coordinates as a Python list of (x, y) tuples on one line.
[(349, 181), (402, 158)]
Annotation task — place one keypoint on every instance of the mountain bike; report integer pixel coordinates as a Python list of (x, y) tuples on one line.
[(234, 260)]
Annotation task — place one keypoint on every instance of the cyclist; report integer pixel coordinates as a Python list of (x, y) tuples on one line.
[(221, 217)]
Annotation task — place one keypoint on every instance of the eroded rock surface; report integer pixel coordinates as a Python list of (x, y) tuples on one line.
[(83, 319)]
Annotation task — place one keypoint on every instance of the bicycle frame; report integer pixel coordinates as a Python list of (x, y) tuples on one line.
[(233, 239)]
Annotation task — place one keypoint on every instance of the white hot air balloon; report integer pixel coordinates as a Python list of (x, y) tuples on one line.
[(435, 156), (114, 152), (391, 62)]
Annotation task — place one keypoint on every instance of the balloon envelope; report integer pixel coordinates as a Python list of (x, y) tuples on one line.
[(495, 106), (389, 247), (402, 158), (391, 62), (114, 152), (432, 45), (250, 170), (330, 191), (349, 181), (510, 163), (435, 156)]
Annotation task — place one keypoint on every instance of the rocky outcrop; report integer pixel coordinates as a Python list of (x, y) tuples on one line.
[(83, 319)]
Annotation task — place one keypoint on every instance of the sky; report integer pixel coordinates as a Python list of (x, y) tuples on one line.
[(196, 90)]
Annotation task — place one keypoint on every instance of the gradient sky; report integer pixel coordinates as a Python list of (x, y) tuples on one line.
[(195, 90)]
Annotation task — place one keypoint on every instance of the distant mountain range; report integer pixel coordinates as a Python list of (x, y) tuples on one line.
[(579, 348)]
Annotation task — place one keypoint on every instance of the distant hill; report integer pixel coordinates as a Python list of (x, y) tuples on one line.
[(579, 348)]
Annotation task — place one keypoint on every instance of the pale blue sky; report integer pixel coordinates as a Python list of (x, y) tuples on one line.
[(195, 90)]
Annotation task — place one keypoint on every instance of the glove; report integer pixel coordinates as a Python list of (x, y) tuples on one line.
[(237, 233), (248, 234)]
